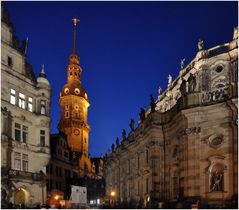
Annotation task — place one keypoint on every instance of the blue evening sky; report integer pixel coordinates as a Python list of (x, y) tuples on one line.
[(127, 50)]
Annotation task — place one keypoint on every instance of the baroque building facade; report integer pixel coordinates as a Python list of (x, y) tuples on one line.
[(185, 147), (25, 123)]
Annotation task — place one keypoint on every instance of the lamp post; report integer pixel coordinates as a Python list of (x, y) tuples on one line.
[(112, 194)]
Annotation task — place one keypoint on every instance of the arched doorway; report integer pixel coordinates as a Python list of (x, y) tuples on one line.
[(21, 197)]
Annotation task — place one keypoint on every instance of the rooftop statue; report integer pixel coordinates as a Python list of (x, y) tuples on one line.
[(170, 79), (160, 91), (142, 114), (117, 142), (235, 33), (123, 134), (182, 63), (131, 125), (152, 103), (200, 44)]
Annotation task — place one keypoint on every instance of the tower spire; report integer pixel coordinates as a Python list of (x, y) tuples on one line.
[(75, 21)]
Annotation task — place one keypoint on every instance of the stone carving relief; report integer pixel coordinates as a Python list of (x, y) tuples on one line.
[(191, 130), (216, 173)]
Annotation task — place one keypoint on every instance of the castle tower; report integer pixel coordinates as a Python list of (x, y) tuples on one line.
[(74, 105)]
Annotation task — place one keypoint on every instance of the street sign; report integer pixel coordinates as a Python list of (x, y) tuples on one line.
[(79, 194)]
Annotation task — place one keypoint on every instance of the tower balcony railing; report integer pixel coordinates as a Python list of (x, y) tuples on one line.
[(12, 173)]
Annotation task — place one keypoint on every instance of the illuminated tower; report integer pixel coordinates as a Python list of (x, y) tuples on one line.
[(74, 105)]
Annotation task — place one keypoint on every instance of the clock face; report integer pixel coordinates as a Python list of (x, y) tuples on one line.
[(76, 132)]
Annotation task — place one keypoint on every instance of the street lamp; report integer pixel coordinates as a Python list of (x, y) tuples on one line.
[(112, 194)]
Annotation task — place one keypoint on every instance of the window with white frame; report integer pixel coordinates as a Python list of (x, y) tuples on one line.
[(17, 132), (43, 107), (17, 161), (24, 162), (22, 101), (13, 96), (30, 106), (24, 134), (42, 138)]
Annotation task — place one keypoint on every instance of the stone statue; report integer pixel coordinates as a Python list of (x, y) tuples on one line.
[(142, 114), (200, 44), (123, 134), (152, 103), (235, 33), (131, 125), (170, 79), (182, 63), (113, 147), (160, 91), (216, 181), (117, 142)]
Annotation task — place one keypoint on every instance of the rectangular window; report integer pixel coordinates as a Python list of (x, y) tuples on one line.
[(42, 138), (17, 161), (9, 61), (17, 132), (24, 134), (13, 97), (21, 101), (138, 187), (66, 155), (59, 170), (24, 162), (30, 106), (43, 107), (51, 169), (66, 107)]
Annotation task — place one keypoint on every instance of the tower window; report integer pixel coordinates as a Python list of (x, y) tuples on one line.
[(43, 107), (77, 91), (66, 107), (30, 107), (13, 97), (42, 138), (9, 61), (21, 101), (67, 114), (75, 74)]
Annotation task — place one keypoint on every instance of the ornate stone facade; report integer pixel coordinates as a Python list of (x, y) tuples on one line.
[(25, 123), (186, 149)]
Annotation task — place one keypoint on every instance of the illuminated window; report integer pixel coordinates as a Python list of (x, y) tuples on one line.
[(66, 90), (42, 138), (13, 97), (17, 132), (30, 107), (17, 161), (43, 107), (24, 162), (77, 91), (21, 101), (67, 114), (24, 134)]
